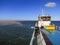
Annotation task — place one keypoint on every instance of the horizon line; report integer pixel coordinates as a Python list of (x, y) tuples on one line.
[(25, 20)]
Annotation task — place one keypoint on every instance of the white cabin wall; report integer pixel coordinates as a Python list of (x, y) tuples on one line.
[(44, 23)]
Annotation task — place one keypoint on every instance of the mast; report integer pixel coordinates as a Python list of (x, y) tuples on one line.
[(42, 12)]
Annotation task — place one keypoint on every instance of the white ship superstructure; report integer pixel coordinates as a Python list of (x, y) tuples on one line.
[(44, 21)]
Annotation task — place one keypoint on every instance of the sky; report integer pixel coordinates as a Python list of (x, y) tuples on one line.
[(28, 9)]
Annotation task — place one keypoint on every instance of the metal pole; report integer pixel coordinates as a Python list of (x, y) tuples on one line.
[(31, 42)]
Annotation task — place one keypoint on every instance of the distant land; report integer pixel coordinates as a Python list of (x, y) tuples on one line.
[(8, 22), (16, 21)]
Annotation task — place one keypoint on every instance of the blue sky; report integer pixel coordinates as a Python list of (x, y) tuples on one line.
[(28, 9)]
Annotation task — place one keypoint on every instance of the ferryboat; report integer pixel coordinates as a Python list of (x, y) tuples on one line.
[(45, 22)]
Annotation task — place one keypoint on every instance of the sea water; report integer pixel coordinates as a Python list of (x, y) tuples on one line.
[(20, 34)]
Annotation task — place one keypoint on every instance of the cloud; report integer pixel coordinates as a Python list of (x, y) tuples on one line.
[(50, 4)]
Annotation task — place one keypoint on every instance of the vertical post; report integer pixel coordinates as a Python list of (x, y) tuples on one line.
[(42, 12)]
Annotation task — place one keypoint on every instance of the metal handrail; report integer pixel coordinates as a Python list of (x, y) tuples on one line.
[(31, 41)]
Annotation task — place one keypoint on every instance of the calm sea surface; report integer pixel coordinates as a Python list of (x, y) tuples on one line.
[(20, 34)]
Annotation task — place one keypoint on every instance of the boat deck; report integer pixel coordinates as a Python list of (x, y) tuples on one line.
[(48, 42), (42, 39)]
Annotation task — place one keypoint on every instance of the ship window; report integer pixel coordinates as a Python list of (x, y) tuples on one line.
[(46, 18)]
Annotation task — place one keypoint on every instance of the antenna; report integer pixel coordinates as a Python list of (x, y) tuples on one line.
[(42, 12)]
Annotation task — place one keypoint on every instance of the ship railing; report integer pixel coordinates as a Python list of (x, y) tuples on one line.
[(56, 27), (32, 38)]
